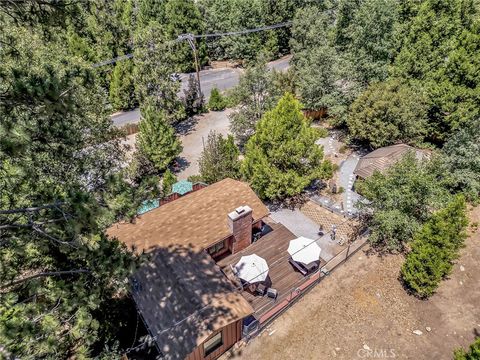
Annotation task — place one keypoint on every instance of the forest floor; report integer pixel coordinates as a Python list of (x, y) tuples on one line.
[(362, 311)]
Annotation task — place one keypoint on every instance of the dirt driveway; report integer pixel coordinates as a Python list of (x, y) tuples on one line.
[(195, 134), (362, 312)]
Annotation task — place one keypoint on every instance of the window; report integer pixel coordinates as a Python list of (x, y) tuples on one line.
[(216, 248), (213, 344)]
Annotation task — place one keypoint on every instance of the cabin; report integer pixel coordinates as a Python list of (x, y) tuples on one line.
[(189, 306), (383, 158)]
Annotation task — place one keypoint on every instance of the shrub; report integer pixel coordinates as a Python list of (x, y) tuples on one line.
[(216, 102), (195, 178), (472, 354)]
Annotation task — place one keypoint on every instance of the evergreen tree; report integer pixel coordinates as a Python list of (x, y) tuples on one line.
[(281, 158), (156, 138), (150, 11), (388, 113), (216, 102), (219, 159), (462, 161), (473, 352), (324, 78), (256, 94), (434, 248), (183, 17), (168, 180), (122, 88), (61, 184), (439, 47), (193, 100), (154, 65)]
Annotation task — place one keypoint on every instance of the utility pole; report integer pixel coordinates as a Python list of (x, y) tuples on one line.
[(191, 41)]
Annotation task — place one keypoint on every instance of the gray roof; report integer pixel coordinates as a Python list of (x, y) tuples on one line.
[(382, 158)]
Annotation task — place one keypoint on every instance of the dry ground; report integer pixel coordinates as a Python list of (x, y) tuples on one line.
[(362, 305)]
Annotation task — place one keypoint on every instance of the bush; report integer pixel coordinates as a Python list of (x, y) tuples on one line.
[(216, 102), (195, 178), (472, 354)]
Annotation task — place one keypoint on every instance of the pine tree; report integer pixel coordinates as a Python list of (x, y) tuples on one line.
[(122, 88), (434, 248), (62, 184), (154, 65), (183, 17), (168, 180), (156, 138), (193, 100), (473, 352), (219, 159), (217, 101), (257, 93), (281, 159)]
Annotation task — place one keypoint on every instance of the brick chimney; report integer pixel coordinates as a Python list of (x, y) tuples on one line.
[(240, 223)]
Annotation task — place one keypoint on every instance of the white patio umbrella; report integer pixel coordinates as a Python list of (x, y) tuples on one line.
[(304, 250), (252, 268)]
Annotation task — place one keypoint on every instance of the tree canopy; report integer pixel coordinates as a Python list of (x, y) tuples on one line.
[(434, 247), (256, 93), (387, 113), (156, 138), (281, 158), (219, 159), (61, 185), (400, 201), (439, 47)]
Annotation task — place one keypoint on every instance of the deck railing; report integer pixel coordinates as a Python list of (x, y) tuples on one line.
[(287, 299)]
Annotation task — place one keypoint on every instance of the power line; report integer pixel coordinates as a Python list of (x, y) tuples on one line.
[(114, 60), (247, 31), (183, 37)]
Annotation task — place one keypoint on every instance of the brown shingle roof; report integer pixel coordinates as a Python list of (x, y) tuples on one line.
[(184, 297), (382, 158), (198, 218)]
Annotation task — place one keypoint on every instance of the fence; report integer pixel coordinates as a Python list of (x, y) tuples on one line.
[(302, 287), (316, 114)]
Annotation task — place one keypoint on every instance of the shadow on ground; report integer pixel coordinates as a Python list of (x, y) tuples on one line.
[(187, 126)]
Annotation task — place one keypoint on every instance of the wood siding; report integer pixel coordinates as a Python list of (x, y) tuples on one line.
[(231, 334)]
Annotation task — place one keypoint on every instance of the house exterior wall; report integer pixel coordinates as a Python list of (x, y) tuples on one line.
[(230, 335)]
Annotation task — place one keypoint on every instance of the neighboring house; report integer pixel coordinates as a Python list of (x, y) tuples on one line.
[(189, 306), (382, 158)]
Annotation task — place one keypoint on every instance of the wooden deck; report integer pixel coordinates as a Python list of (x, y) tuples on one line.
[(273, 248)]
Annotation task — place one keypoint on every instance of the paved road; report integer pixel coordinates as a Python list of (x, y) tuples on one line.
[(223, 79)]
